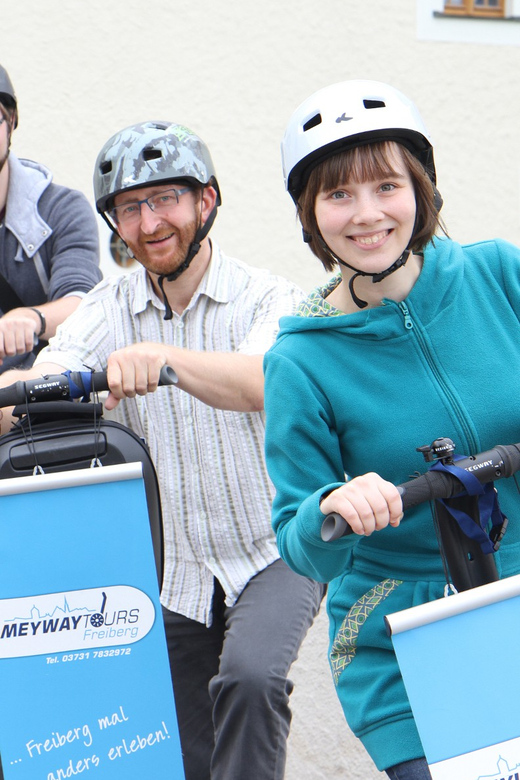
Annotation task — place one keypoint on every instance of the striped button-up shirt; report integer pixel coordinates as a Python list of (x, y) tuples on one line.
[(215, 491)]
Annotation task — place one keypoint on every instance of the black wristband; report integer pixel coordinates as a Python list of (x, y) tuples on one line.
[(43, 324)]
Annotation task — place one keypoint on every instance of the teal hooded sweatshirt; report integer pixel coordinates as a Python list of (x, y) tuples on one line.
[(350, 394)]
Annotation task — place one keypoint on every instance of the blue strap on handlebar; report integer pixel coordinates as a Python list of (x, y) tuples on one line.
[(75, 391), (487, 505)]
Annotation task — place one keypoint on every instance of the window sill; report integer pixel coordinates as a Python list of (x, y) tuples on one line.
[(443, 15)]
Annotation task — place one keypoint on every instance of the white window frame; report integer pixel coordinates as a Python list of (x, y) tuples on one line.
[(434, 24)]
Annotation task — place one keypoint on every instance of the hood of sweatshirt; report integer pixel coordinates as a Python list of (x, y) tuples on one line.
[(437, 285)]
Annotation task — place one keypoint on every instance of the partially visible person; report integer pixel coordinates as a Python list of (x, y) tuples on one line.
[(235, 614), (409, 342), (49, 247)]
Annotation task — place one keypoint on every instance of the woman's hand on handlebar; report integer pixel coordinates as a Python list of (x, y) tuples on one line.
[(368, 503)]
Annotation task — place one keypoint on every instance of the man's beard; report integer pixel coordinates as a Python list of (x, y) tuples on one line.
[(185, 237)]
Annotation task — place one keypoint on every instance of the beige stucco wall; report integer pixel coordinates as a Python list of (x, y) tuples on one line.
[(234, 70)]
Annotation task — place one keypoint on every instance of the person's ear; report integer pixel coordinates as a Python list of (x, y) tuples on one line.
[(208, 201)]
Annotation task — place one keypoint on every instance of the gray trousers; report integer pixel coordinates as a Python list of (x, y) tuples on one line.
[(410, 770), (231, 680)]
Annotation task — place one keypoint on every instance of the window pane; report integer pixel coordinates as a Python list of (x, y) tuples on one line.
[(475, 7)]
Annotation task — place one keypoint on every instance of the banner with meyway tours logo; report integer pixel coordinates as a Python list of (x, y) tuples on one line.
[(85, 685), (460, 661)]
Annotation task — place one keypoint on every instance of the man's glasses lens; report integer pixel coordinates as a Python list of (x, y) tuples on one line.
[(160, 202)]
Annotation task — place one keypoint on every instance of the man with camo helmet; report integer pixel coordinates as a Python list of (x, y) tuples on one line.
[(235, 615), (49, 253), (147, 153)]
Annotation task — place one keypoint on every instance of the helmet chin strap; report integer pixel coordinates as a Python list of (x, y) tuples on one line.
[(200, 234), (375, 277)]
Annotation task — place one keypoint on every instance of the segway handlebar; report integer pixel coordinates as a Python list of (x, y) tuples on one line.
[(66, 386), (500, 462)]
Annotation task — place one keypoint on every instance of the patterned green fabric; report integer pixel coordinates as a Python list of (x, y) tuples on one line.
[(315, 305), (344, 646)]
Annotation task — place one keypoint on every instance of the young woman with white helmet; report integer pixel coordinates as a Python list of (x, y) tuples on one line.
[(415, 338)]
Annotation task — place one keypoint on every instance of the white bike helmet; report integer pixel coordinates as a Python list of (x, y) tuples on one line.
[(345, 115)]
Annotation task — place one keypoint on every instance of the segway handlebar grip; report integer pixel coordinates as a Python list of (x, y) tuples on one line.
[(500, 462), (334, 527), (98, 380), (71, 384), (427, 487), (13, 394), (433, 484)]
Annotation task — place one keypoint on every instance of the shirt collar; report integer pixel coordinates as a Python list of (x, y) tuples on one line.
[(215, 284)]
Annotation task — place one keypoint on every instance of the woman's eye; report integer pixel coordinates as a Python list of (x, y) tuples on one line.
[(387, 187), (338, 195)]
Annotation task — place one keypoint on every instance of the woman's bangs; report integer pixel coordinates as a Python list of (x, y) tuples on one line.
[(359, 165)]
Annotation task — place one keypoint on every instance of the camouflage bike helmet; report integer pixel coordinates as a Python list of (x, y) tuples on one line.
[(152, 153), (7, 95)]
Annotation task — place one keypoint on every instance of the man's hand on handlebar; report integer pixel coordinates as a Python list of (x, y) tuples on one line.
[(50, 382), (368, 503), (134, 370), (18, 329)]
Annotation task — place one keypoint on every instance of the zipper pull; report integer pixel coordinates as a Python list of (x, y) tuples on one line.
[(408, 322)]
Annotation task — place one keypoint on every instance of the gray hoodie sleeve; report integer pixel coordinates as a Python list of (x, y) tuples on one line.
[(71, 253)]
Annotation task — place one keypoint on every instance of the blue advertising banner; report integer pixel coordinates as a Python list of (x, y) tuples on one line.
[(85, 685), (460, 661)]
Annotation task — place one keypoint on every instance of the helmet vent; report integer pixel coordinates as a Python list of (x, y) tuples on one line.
[(313, 122), (374, 103), (151, 154), (105, 167)]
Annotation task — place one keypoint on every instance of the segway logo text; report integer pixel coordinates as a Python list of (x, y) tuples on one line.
[(478, 466), (46, 385)]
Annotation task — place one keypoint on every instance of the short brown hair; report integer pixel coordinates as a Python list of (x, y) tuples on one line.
[(362, 164)]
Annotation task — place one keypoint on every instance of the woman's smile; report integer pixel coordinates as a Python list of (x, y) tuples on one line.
[(369, 224), (370, 240)]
